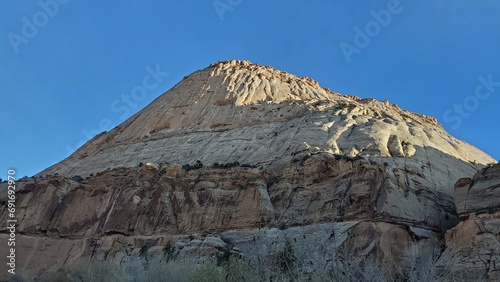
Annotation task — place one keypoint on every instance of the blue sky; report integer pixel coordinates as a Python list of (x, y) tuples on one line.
[(65, 65)]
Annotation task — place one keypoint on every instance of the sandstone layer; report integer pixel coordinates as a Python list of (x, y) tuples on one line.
[(293, 161), (320, 203), (474, 244)]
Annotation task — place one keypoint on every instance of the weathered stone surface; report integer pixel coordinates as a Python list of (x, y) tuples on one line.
[(474, 244), (237, 111), (338, 171), (120, 211), (480, 194)]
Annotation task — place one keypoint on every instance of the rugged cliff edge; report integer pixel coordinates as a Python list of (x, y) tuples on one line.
[(284, 159), (474, 244)]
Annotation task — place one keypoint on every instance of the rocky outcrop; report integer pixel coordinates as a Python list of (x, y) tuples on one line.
[(479, 194), (253, 114), (322, 197), (474, 244), (285, 160)]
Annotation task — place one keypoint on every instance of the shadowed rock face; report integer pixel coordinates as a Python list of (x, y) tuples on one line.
[(336, 170), (474, 244), (480, 193)]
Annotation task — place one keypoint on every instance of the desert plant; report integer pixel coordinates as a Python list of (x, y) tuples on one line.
[(233, 164), (288, 264), (77, 178), (207, 273), (227, 165), (286, 258), (217, 165), (197, 165)]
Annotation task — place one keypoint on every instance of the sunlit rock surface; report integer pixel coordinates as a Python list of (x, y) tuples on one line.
[(295, 161)]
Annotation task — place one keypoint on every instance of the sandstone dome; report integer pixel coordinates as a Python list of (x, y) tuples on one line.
[(253, 114), (321, 169), (235, 111)]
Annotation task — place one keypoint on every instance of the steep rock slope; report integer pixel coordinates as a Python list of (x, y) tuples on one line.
[(334, 169), (237, 111)]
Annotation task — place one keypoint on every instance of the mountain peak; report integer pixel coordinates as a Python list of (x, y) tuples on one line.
[(246, 83), (236, 150), (238, 111)]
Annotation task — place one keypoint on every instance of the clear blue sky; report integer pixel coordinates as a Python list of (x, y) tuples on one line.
[(64, 67)]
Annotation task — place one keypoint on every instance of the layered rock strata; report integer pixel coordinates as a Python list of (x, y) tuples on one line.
[(474, 244), (288, 156)]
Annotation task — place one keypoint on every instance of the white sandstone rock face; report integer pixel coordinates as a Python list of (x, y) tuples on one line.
[(317, 167), (253, 114)]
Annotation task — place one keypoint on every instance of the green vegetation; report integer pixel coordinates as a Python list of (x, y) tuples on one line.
[(77, 178), (227, 165), (287, 259), (284, 265), (197, 165), (233, 164)]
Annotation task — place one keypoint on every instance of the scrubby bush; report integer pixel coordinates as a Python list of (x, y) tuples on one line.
[(197, 165), (77, 178), (227, 165), (217, 165), (287, 260), (231, 165), (285, 265)]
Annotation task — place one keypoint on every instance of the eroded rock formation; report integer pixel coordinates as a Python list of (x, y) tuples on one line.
[(305, 164), (474, 244)]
